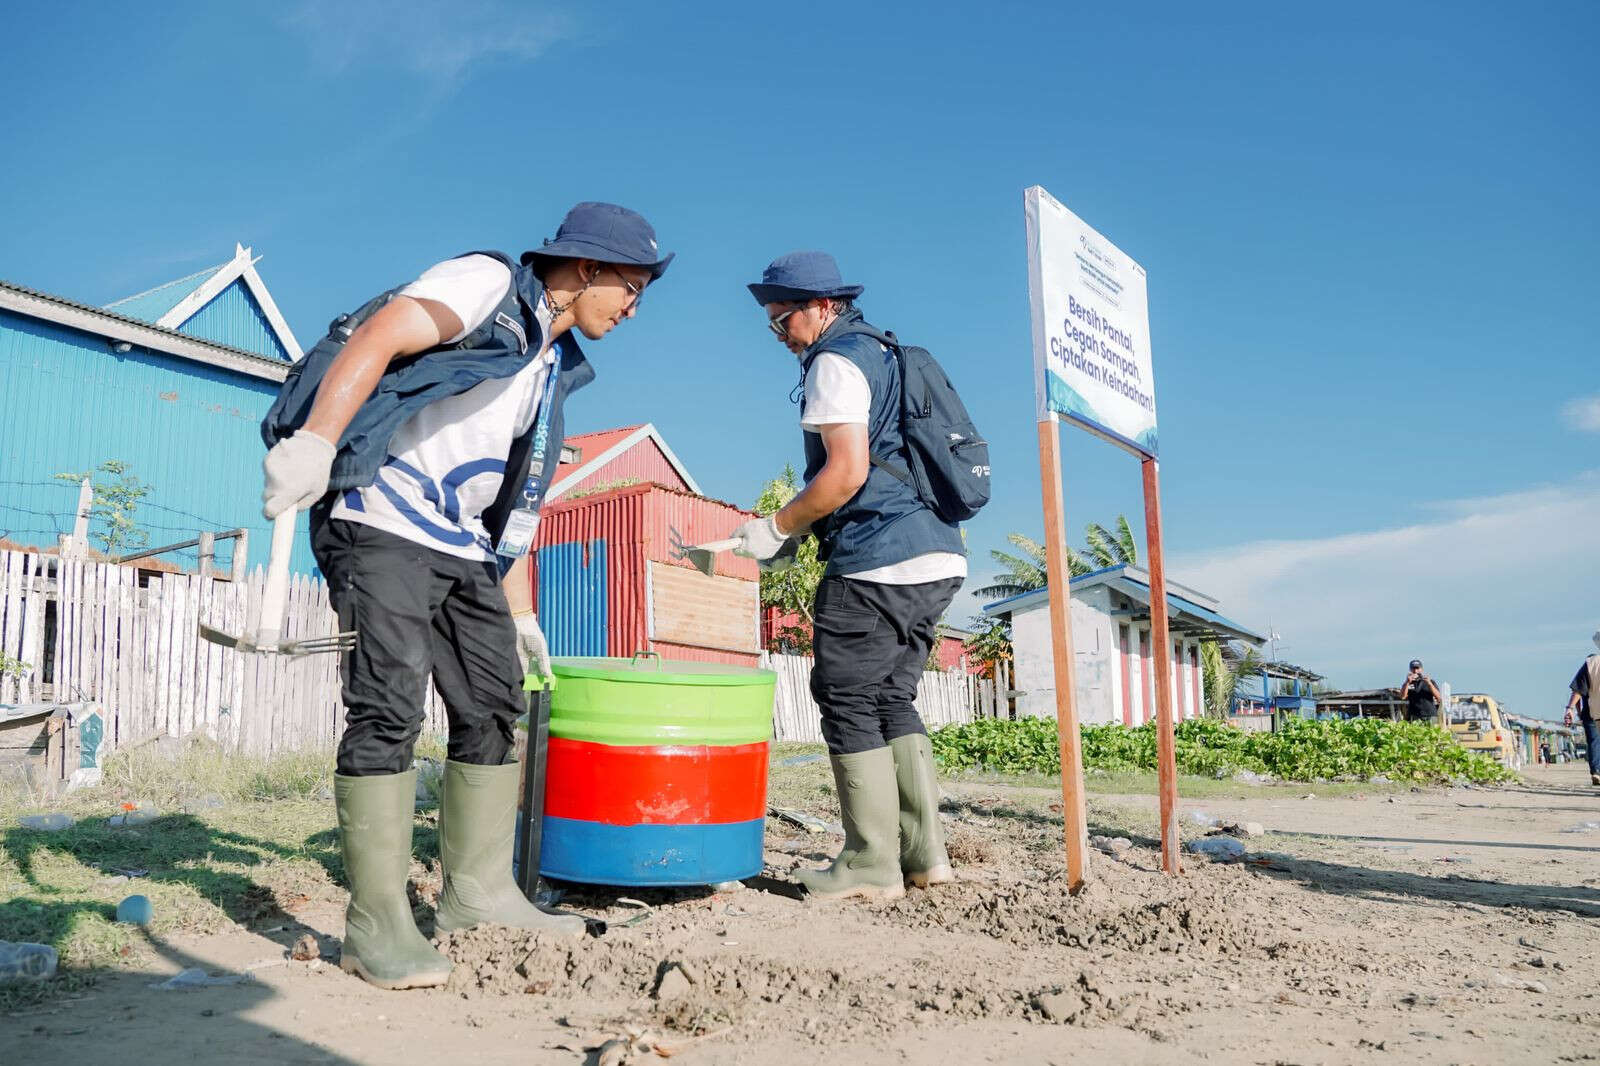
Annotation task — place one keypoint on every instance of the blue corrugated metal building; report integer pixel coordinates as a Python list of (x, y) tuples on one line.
[(173, 381)]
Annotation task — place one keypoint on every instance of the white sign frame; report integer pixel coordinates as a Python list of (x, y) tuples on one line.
[(1091, 328)]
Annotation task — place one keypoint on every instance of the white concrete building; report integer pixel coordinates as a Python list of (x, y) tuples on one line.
[(1111, 646)]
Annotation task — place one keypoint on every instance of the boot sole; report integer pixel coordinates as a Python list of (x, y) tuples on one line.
[(351, 964), (939, 875), (574, 934), (870, 892)]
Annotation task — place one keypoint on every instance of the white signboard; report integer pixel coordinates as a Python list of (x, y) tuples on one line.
[(1091, 328)]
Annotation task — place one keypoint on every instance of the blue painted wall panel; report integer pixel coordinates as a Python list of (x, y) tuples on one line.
[(233, 317), (572, 597), (190, 431)]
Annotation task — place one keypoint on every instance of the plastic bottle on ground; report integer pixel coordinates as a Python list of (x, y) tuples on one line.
[(26, 962)]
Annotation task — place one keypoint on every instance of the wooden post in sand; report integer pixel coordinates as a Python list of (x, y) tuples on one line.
[(1074, 809), (1161, 646)]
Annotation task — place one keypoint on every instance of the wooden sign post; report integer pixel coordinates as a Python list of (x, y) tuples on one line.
[(1091, 341), (1074, 808), (1161, 645)]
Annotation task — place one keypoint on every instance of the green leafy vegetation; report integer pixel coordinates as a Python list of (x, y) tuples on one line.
[(114, 502), (1302, 750)]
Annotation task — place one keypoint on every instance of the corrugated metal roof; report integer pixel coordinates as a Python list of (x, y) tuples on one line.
[(97, 320), (151, 304), (1135, 583)]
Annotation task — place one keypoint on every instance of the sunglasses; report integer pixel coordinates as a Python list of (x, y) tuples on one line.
[(778, 323)]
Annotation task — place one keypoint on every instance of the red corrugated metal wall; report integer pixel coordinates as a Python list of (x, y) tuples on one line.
[(638, 524)]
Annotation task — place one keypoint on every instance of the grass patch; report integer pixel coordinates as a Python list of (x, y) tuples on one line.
[(235, 841)]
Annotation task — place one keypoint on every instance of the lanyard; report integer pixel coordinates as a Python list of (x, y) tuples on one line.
[(522, 524), (537, 485)]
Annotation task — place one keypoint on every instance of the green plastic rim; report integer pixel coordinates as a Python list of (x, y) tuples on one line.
[(654, 671)]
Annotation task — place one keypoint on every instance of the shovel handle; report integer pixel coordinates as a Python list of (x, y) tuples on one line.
[(269, 626), (719, 545)]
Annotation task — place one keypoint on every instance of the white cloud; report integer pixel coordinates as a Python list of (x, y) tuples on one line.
[(434, 38), (1495, 594), (1582, 414)]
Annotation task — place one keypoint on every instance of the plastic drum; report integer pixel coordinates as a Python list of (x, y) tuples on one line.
[(657, 771)]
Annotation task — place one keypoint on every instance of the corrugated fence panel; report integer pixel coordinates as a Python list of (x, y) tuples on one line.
[(188, 431), (234, 318), (572, 597)]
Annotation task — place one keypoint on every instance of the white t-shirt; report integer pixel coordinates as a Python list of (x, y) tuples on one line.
[(447, 462), (837, 393)]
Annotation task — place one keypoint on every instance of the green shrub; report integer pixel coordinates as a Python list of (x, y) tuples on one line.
[(1302, 750)]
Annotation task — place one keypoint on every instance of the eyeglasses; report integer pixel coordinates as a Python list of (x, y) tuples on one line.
[(635, 292), (778, 325)]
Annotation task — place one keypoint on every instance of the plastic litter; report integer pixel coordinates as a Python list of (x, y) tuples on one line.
[(132, 818), (196, 977), (800, 760), (49, 823), (1582, 827), (136, 910), (1202, 818), (1250, 777), (26, 962), (1218, 849)]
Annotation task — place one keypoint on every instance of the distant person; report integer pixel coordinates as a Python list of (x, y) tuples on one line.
[(1584, 682), (893, 566), (1421, 695)]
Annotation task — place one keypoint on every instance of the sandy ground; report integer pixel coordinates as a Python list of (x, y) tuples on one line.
[(1437, 926)]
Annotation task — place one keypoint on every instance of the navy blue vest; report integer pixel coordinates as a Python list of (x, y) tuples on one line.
[(883, 523), (507, 341)]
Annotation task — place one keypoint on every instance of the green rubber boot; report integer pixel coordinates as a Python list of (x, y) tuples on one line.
[(477, 830), (381, 941), (868, 865), (922, 854)]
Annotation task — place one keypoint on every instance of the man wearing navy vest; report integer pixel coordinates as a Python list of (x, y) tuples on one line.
[(423, 432), (893, 566)]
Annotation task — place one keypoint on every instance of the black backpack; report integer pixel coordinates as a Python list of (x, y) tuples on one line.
[(947, 460)]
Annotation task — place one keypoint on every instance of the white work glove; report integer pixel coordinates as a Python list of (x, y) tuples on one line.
[(759, 539), (531, 644), (783, 560), (295, 473)]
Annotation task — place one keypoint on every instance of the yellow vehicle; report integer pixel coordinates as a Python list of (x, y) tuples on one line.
[(1477, 723)]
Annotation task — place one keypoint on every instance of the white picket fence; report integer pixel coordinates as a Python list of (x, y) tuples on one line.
[(945, 697), (129, 641)]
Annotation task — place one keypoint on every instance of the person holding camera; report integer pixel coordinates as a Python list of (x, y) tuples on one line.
[(1421, 695)]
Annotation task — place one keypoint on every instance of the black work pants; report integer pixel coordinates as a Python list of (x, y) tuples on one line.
[(870, 643), (418, 613)]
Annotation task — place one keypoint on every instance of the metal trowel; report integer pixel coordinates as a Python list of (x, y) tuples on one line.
[(704, 556), (266, 636)]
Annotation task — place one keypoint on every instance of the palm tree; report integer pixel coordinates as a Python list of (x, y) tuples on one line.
[(1106, 548), (1025, 572)]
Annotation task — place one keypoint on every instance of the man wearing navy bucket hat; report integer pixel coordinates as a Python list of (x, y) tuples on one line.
[(893, 566), (422, 432)]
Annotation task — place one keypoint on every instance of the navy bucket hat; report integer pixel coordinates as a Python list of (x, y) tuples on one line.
[(801, 276), (607, 233)]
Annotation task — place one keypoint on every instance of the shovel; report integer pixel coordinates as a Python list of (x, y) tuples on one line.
[(266, 637), (704, 556)]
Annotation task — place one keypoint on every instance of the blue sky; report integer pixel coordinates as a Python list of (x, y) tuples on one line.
[(1369, 229)]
